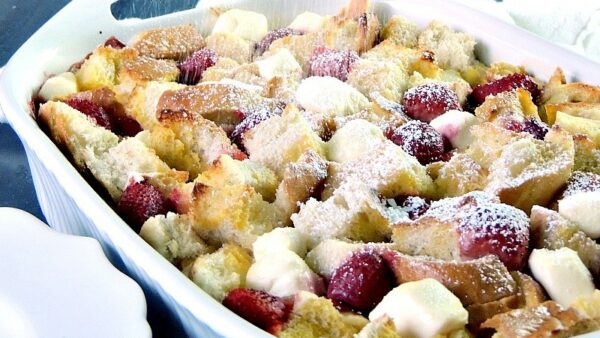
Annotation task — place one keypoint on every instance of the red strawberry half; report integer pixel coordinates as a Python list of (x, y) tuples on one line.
[(268, 312), (140, 201), (361, 282), (193, 67), (504, 84), (92, 110), (430, 100)]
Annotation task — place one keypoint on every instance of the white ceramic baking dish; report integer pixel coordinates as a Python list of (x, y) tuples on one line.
[(72, 206)]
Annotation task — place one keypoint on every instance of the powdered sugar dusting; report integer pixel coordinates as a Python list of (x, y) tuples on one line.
[(582, 182)]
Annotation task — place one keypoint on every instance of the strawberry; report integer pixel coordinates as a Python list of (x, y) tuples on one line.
[(536, 128), (361, 281), (268, 312), (140, 201), (92, 110), (193, 67), (332, 62), (264, 44), (504, 84), (430, 100), (114, 43), (420, 140), (497, 230)]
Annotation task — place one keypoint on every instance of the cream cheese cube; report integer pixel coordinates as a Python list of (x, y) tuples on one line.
[(583, 209), (422, 309), (456, 126), (307, 22), (280, 239), (283, 274), (328, 255), (330, 96), (59, 86), (245, 24), (562, 273)]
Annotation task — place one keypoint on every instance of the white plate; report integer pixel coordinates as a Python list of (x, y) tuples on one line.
[(56, 285), (71, 205)]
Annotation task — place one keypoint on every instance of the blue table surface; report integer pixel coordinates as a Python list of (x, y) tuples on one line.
[(18, 21)]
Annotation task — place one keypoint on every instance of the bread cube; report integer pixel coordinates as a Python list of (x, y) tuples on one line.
[(231, 46), (131, 158), (401, 31), (314, 316), (281, 140), (452, 49), (174, 43), (354, 211), (78, 133), (301, 180), (173, 237), (221, 271), (353, 141), (388, 78), (231, 214), (387, 169), (172, 151), (227, 171)]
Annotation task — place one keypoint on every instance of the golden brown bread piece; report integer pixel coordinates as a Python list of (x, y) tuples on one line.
[(301, 180), (545, 320), (175, 43), (580, 109), (587, 155), (480, 312), (557, 90), (218, 102), (523, 171), (530, 292), (477, 281)]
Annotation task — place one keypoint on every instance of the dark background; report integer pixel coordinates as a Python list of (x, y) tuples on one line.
[(18, 21)]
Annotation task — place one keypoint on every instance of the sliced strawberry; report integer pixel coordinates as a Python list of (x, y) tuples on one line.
[(268, 312), (264, 44), (430, 100), (93, 110), (504, 84), (193, 67), (332, 62), (140, 201), (361, 281)]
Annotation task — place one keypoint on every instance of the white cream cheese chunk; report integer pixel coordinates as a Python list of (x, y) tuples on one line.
[(562, 273), (328, 255), (330, 96), (422, 309), (583, 209), (456, 126), (307, 22), (59, 86), (282, 274), (245, 24), (280, 239)]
